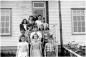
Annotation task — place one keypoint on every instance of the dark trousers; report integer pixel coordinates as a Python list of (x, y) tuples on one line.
[(29, 49)]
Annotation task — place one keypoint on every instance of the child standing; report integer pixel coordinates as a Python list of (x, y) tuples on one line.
[(50, 48), (22, 49)]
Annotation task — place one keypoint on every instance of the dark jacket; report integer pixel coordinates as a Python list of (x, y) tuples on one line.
[(22, 27)]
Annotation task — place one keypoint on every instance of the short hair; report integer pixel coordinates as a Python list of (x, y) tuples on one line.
[(39, 15), (21, 37), (31, 16), (23, 21), (35, 26)]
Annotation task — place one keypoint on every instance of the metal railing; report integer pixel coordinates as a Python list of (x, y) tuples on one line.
[(70, 53)]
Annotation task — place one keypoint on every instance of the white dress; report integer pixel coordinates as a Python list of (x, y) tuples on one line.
[(39, 23), (35, 49), (22, 49)]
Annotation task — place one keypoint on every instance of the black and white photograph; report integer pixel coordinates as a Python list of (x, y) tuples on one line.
[(42, 28)]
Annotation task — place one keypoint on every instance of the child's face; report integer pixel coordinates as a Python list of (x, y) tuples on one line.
[(40, 17), (25, 21), (35, 29), (35, 36), (22, 39), (30, 18)]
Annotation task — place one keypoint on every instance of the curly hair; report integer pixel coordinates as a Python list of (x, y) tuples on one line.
[(24, 20), (21, 37), (36, 35)]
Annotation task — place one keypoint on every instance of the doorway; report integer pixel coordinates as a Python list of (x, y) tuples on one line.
[(41, 8)]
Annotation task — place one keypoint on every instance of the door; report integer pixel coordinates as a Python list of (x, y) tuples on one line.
[(39, 8)]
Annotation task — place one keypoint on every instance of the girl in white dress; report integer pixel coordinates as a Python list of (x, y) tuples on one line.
[(35, 47), (22, 49), (39, 21)]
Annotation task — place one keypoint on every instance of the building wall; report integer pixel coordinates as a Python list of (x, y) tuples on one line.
[(20, 10), (23, 9), (67, 21), (54, 18)]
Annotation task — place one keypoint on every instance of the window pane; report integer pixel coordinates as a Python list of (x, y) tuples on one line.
[(38, 4), (2, 30), (75, 24), (2, 24), (2, 18), (82, 18), (7, 18), (75, 29), (7, 30), (74, 12), (83, 29), (78, 13), (74, 18), (79, 29), (79, 24), (83, 24), (78, 18), (82, 12), (7, 24)]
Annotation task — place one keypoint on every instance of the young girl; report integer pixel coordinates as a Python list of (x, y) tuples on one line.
[(45, 25), (23, 25), (39, 22), (35, 47), (22, 49), (30, 23), (50, 48)]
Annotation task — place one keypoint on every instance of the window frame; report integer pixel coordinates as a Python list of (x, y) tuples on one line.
[(77, 33), (10, 23), (38, 2)]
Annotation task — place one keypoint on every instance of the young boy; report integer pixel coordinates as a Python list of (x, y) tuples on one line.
[(50, 48)]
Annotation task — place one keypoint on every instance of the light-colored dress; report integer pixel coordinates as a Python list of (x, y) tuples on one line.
[(39, 23), (22, 49), (35, 49)]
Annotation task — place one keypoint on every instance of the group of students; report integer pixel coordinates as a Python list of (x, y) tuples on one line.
[(35, 39)]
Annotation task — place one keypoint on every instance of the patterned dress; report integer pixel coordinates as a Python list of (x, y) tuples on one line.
[(35, 49)]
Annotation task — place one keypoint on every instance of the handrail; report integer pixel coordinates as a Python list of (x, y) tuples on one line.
[(72, 52)]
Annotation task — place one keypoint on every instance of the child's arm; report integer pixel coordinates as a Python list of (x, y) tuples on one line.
[(45, 50), (40, 47)]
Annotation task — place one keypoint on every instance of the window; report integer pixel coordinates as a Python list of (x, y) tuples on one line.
[(5, 27), (41, 8), (39, 4), (78, 21)]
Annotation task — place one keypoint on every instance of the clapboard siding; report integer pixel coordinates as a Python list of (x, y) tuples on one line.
[(54, 17), (20, 10), (67, 21)]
